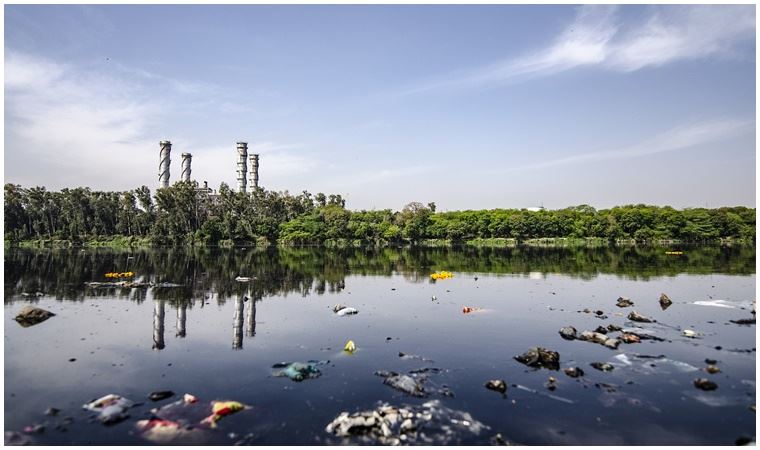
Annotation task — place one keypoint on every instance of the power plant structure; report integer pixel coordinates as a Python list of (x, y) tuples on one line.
[(187, 158), (163, 165), (242, 151), (254, 181), (243, 158)]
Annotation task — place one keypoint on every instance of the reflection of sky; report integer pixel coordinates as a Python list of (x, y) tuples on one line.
[(112, 341)]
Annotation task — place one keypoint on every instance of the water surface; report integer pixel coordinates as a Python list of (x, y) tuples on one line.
[(218, 338)]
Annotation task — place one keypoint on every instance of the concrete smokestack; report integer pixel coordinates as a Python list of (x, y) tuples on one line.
[(187, 158), (163, 167), (254, 174), (242, 150)]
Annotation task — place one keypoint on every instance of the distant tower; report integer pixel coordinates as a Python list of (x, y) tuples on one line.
[(187, 158), (242, 150), (163, 167), (254, 174)]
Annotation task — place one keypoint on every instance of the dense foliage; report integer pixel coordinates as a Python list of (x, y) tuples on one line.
[(184, 214)]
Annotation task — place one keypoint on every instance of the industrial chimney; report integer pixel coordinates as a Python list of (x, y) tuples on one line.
[(163, 167), (187, 158), (242, 150), (254, 175)]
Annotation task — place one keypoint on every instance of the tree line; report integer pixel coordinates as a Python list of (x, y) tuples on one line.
[(184, 214)]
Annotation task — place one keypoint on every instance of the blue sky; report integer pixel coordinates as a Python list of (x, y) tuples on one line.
[(467, 106)]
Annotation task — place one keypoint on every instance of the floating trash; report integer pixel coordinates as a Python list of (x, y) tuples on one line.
[(470, 309), (403, 355), (343, 310), (244, 279), (718, 303), (298, 371), (112, 408), (162, 431), (428, 424), (221, 409), (16, 438), (119, 274), (404, 383), (674, 253), (690, 334), (442, 275), (350, 347)]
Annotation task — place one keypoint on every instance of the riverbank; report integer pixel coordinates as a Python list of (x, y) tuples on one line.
[(145, 242)]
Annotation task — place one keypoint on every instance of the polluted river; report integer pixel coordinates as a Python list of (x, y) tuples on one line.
[(444, 346)]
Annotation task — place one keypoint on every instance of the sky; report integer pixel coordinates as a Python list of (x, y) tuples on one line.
[(470, 107)]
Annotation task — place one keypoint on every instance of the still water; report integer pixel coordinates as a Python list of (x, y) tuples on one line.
[(218, 338)]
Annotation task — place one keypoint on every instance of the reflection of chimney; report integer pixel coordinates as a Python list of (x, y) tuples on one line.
[(187, 158), (254, 174), (181, 319), (165, 161), (250, 328), (237, 324), (158, 324), (242, 150)]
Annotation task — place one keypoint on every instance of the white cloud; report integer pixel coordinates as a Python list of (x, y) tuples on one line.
[(72, 126), (598, 37), (679, 138)]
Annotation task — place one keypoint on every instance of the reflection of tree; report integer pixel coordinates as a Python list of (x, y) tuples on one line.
[(62, 273)]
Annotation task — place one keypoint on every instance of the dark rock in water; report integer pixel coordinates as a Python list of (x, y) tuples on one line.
[(428, 424), (551, 384), (599, 338), (665, 302), (574, 372), (599, 313), (743, 321), (629, 338), (636, 317), (498, 439), (744, 440), (160, 395), (497, 385), (612, 328), (604, 367), (711, 361), (29, 315), (705, 384), (568, 333), (623, 302), (52, 411), (600, 329), (540, 357)]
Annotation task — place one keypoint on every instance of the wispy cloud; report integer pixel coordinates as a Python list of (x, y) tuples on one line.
[(679, 138), (70, 125), (598, 37)]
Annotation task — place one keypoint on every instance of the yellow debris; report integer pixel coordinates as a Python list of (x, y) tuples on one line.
[(350, 347), (442, 275)]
